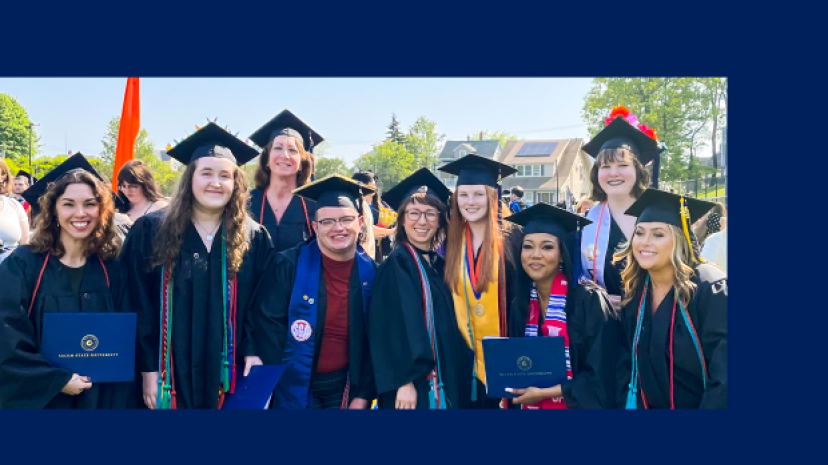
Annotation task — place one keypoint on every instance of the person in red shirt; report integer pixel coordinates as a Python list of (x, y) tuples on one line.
[(315, 315)]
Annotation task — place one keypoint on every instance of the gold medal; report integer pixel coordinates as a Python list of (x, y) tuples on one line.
[(478, 310)]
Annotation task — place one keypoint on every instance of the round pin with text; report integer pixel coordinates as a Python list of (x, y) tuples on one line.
[(301, 330)]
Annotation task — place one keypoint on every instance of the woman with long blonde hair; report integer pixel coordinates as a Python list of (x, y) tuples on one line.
[(194, 266), (68, 267), (285, 164), (476, 269), (674, 318)]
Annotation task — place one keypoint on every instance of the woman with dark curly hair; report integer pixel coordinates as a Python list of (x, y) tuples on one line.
[(143, 196), (285, 164), (193, 267), (69, 266)]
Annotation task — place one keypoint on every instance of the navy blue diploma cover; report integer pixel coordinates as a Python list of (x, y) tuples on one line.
[(523, 362), (254, 390), (98, 345)]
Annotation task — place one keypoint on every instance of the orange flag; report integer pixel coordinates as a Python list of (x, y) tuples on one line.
[(128, 131)]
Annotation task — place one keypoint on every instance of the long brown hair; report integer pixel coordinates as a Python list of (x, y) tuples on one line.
[(137, 172), (7, 184), (262, 177), (491, 242), (633, 275), (103, 241), (178, 217), (422, 198), (642, 176)]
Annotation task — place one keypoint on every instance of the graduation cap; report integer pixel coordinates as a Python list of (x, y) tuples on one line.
[(25, 174), (476, 170), (212, 141), (421, 180), (620, 134), (76, 162), (659, 206), (288, 124), (545, 218), (336, 191)]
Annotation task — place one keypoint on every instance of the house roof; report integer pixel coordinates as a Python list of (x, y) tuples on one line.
[(484, 148), (565, 153)]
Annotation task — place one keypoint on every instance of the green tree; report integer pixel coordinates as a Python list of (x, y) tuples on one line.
[(143, 145), (330, 165), (424, 142), (502, 136), (14, 131), (391, 161), (681, 110), (394, 133)]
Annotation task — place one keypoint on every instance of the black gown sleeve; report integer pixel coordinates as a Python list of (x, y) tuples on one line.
[(623, 365), (262, 253), (401, 348), (712, 308), (136, 255), (593, 386), (27, 379), (273, 302)]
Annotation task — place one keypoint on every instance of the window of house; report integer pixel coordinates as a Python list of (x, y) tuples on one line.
[(546, 197), (461, 153), (524, 171)]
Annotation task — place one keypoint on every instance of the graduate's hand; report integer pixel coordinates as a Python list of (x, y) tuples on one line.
[(358, 404), (406, 397), (533, 395), (249, 362), (76, 385), (150, 389)]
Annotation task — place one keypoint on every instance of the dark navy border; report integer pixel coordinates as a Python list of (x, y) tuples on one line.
[(511, 39)]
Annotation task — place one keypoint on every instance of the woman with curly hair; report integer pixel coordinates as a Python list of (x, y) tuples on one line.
[(285, 164), (193, 267), (69, 266), (674, 344)]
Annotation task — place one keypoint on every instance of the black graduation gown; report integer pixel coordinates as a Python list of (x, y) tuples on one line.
[(272, 322), (293, 227), (198, 307), (400, 343), (708, 313), (593, 340), (28, 379)]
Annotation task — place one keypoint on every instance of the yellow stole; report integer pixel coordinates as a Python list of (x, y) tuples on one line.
[(484, 312)]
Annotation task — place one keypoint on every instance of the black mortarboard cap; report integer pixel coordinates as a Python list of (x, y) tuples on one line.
[(212, 141), (286, 123), (25, 174), (335, 191), (659, 206), (476, 170), (421, 180), (621, 134), (545, 218)]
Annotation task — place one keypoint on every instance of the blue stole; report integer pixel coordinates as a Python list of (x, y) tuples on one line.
[(594, 269), (293, 390)]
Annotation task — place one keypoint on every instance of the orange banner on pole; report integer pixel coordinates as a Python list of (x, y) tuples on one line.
[(128, 130)]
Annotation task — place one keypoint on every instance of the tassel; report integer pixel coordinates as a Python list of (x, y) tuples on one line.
[(173, 405), (474, 388), (435, 398), (632, 402)]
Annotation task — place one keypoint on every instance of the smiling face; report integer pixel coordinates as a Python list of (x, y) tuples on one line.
[(540, 256), (652, 245), (213, 182), (285, 157), (472, 202), (337, 238), (421, 223), (617, 176), (77, 211)]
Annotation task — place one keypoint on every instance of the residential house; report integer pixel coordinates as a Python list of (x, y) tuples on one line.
[(548, 169)]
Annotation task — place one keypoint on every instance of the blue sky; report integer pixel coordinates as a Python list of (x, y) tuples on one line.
[(351, 113)]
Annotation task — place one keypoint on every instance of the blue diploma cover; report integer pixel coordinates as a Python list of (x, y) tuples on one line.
[(98, 345), (254, 390), (523, 362)]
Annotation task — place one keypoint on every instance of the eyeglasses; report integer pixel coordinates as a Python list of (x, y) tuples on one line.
[(345, 221), (414, 215), (131, 187)]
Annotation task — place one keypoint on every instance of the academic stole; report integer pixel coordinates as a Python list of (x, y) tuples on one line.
[(478, 314), (554, 324), (166, 380)]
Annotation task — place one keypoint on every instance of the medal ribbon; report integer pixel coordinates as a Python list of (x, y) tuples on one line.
[(474, 272)]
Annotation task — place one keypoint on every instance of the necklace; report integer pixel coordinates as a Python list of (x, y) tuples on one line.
[(209, 236)]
